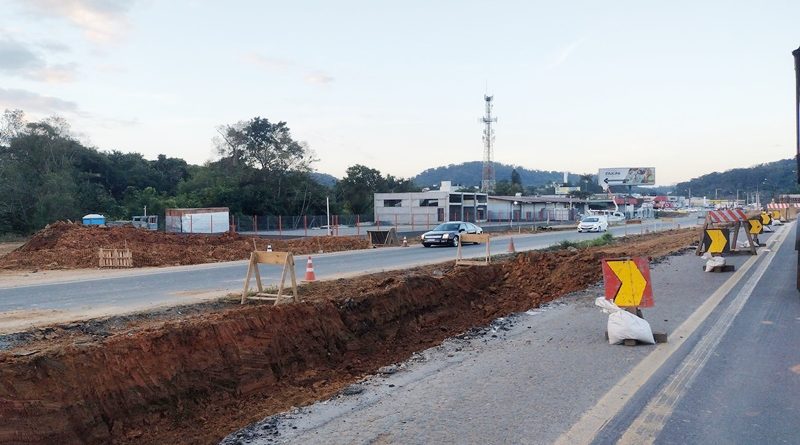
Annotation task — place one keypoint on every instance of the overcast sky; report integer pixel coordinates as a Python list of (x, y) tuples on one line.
[(687, 87)]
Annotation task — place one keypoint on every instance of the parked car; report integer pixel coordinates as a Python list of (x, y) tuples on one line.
[(593, 223), (448, 234)]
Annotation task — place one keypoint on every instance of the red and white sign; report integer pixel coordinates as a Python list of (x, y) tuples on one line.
[(627, 281), (727, 215)]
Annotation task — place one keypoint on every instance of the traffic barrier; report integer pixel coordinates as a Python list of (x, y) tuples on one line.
[(726, 216), (474, 238), (310, 276), (405, 242), (785, 211), (284, 259), (727, 219), (381, 238)]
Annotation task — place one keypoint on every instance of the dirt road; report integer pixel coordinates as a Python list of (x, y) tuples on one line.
[(194, 377)]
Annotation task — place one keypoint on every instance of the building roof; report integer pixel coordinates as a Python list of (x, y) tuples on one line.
[(538, 199)]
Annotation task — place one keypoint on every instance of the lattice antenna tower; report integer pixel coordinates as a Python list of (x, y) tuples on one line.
[(487, 178)]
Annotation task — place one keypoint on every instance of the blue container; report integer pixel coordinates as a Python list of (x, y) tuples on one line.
[(94, 220)]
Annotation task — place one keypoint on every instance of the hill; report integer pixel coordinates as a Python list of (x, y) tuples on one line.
[(768, 179), (324, 179), (469, 174)]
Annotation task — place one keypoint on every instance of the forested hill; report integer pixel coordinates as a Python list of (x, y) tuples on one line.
[(470, 173), (768, 179)]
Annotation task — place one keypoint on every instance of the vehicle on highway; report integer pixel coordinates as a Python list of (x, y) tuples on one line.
[(448, 234), (593, 223)]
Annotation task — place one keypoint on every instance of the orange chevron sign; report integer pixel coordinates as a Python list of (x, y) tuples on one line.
[(627, 282)]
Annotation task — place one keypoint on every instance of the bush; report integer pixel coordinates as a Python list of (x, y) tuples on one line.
[(606, 239)]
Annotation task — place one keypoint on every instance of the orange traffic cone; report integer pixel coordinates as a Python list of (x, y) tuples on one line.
[(310, 271), (511, 246)]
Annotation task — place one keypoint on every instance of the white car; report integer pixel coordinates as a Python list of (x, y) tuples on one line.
[(593, 223)]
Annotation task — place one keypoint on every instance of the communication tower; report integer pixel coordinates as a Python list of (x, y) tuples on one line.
[(487, 179)]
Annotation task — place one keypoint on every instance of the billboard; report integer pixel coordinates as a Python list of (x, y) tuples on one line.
[(564, 190), (626, 176)]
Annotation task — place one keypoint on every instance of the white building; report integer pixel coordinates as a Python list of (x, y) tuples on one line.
[(535, 208), (429, 208)]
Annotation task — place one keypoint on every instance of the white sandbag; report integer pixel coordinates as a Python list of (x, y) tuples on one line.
[(714, 262), (707, 256), (777, 222), (622, 325)]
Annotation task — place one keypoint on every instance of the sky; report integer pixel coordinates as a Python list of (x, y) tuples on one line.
[(686, 87)]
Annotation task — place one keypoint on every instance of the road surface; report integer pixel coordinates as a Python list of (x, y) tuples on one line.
[(76, 295), (730, 372)]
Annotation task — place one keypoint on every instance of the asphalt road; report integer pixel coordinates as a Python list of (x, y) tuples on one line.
[(730, 372), (126, 291)]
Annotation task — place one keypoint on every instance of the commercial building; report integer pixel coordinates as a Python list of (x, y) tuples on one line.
[(535, 208), (429, 208)]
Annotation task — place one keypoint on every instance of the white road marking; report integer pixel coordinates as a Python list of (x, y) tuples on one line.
[(651, 420), (593, 420)]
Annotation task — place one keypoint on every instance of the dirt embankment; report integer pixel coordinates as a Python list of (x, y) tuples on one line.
[(7, 247), (195, 379), (65, 245)]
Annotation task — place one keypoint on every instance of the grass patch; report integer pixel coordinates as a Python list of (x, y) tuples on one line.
[(604, 240)]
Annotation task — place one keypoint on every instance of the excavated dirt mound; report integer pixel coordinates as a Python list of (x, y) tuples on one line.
[(64, 245), (198, 377)]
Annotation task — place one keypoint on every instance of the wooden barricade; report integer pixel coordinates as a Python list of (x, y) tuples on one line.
[(473, 238), (785, 211), (284, 259), (382, 238), (115, 257), (728, 219)]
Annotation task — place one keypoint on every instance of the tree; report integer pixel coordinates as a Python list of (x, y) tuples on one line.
[(11, 125), (357, 188), (509, 188), (265, 145), (399, 185), (579, 194), (516, 179), (503, 188)]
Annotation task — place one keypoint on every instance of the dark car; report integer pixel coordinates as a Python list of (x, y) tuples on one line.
[(447, 234)]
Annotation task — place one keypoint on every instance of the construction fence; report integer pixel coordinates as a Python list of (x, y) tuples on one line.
[(303, 225), (349, 225)]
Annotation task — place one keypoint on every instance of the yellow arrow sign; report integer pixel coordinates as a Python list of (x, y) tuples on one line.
[(776, 214), (633, 283), (765, 218), (719, 242), (755, 226)]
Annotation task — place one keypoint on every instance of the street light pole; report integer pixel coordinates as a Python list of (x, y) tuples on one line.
[(512, 210), (758, 197)]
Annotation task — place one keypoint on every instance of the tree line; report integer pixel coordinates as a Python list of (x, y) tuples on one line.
[(765, 180), (47, 174)]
